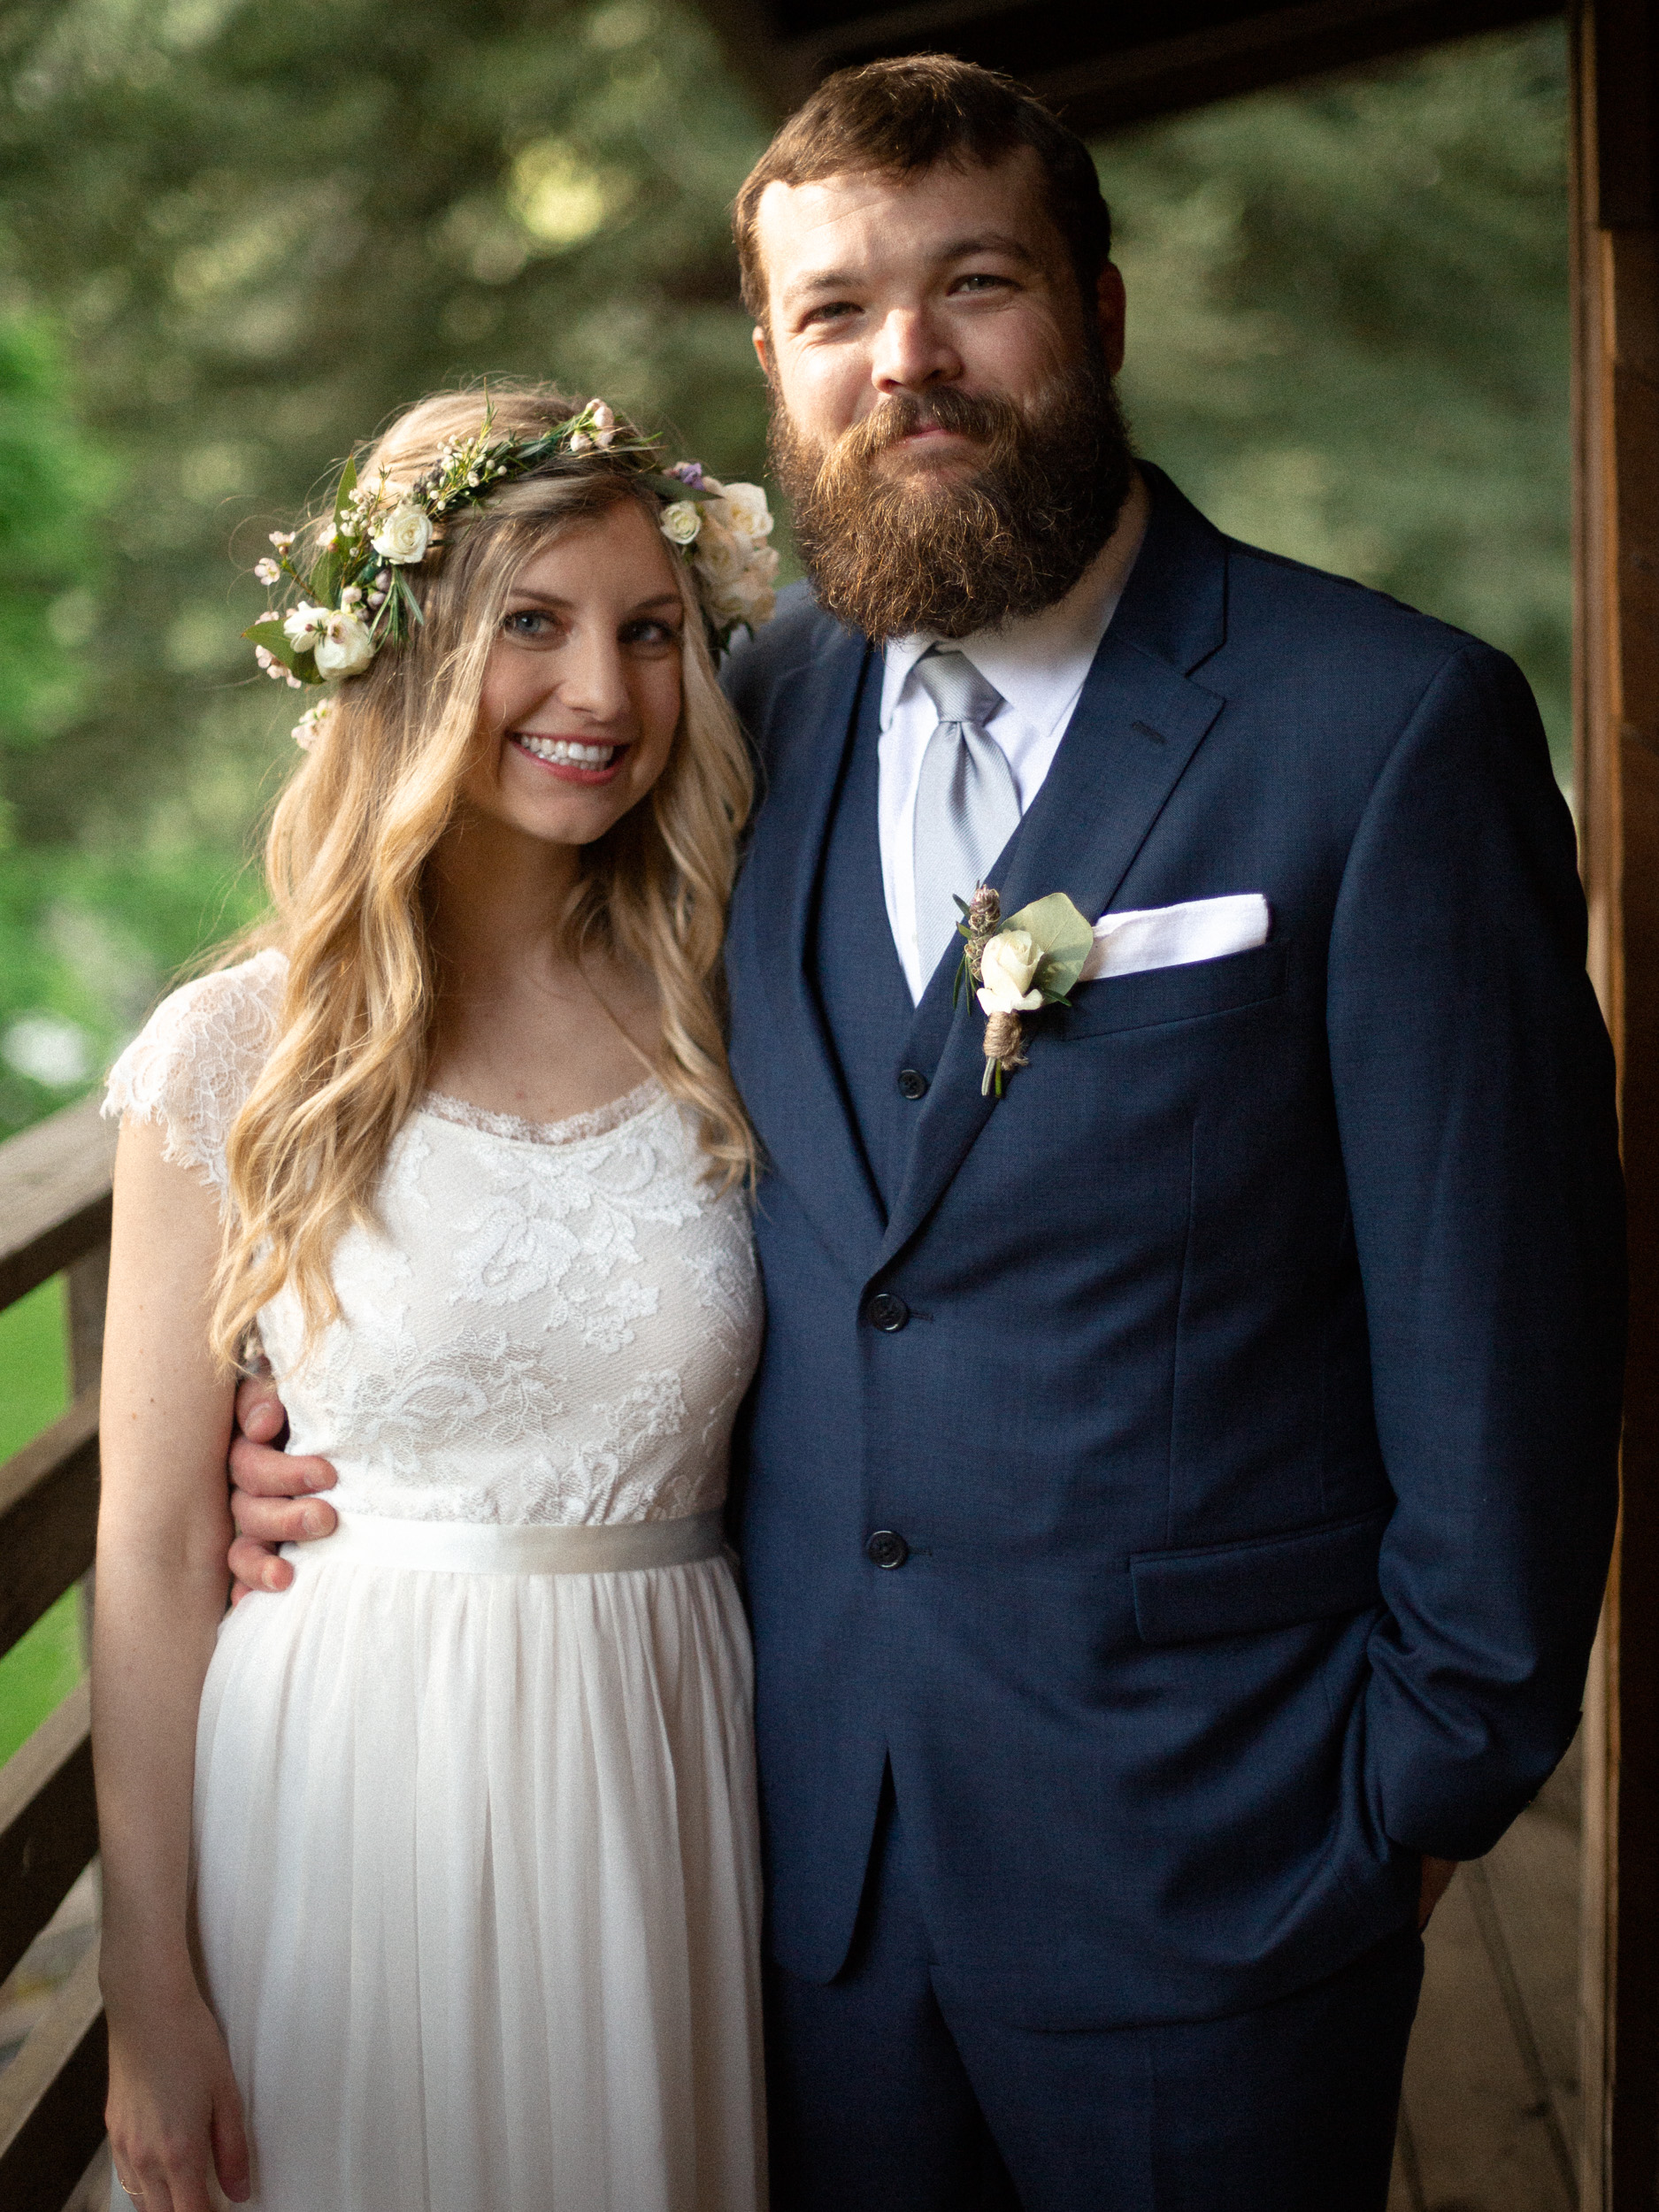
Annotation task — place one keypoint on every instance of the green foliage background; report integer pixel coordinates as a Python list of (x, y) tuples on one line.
[(236, 235), (1349, 331)]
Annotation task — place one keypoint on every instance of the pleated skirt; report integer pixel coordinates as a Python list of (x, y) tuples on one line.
[(477, 1889)]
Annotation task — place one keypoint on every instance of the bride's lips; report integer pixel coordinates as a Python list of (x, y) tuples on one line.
[(571, 759)]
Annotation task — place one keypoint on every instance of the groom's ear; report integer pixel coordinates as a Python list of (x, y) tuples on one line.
[(1108, 307), (763, 352)]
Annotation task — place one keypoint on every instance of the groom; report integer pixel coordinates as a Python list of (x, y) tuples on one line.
[(1176, 1494)]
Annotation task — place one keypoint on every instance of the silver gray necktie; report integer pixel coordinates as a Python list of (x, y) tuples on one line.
[(967, 803)]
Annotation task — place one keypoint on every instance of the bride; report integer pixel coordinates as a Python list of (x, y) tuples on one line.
[(434, 1884)]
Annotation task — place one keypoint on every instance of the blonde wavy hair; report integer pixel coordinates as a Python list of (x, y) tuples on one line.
[(347, 862)]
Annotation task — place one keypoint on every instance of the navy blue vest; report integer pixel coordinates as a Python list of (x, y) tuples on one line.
[(865, 1003)]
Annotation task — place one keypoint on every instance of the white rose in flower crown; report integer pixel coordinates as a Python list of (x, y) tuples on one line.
[(681, 522), (404, 535), (743, 507), (722, 556), (303, 625), (1006, 967), (747, 598), (346, 649)]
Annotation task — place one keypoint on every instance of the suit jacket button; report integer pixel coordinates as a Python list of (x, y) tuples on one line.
[(887, 1548), (912, 1083), (886, 1311)]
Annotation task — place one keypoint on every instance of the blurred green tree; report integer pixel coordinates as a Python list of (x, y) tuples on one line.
[(1348, 334), (269, 223), (52, 481), (263, 224)]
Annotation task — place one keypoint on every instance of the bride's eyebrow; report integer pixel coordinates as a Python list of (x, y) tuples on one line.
[(519, 600)]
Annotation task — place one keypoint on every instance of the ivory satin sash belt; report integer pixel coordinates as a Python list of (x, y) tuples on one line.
[(482, 1547)]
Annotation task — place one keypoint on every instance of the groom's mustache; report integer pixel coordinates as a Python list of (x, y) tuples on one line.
[(990, 418)]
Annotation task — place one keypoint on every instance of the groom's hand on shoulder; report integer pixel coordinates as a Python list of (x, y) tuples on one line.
[(272, 1498)]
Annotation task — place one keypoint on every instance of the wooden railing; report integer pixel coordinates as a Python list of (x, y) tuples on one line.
[(54, 1220)]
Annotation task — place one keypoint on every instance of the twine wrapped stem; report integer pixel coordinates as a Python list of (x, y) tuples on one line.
[(1004, 1038)]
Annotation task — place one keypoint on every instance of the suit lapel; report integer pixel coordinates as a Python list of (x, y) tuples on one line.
[(1139, 721), (807, 1129)]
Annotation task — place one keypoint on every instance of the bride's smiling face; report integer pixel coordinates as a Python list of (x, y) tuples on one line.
[(581, 694)]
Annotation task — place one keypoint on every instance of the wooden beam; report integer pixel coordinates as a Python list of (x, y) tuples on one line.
[(54, 1196), (1616, 287), (1278, 47), (51, 2098), (1103, 66), (48, 1824), (49, 1516)]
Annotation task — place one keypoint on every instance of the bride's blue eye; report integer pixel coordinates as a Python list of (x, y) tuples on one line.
[(528, 623), (649, 631)]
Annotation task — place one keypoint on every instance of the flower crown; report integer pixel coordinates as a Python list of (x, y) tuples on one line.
[(357, 597)]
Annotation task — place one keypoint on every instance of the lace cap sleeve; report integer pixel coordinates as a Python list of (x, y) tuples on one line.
[(192, 1066)]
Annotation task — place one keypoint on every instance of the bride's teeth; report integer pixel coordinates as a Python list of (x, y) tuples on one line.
[(563, 751)]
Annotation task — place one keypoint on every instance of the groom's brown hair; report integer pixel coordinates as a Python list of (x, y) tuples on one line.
[(898, 118)]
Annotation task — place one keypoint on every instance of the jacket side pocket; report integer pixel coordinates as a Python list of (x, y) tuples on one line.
[(1269, 1582)]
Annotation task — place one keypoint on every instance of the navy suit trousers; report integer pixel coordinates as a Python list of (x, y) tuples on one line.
[(888, 2094)]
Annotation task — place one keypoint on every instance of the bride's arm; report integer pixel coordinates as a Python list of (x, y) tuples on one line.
[(164, 1524)]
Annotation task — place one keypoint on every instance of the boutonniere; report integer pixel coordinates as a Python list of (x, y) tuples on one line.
[(1015, 966)]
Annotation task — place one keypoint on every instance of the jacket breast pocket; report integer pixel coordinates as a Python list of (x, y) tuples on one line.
[(1176, 994), (1311, 1574)]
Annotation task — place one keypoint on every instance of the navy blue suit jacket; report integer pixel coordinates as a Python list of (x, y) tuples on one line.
[(1251, 1420)]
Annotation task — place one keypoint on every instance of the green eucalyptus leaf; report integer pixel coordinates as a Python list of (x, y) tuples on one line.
[(1064, 936), (343, 490)]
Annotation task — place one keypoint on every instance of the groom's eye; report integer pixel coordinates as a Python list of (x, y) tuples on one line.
[(983, 280)]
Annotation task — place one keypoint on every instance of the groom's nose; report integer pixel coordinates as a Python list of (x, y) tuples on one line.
[(913, 350)]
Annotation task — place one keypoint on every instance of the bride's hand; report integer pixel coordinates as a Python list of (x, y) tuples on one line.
[(174, 2112)]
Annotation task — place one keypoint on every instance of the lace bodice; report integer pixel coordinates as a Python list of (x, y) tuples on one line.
[(551, 1323)]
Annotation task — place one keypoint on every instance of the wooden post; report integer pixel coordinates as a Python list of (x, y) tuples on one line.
[(88, 1280), (1616, 293)]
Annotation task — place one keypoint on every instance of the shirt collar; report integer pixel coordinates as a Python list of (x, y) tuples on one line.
[(1039, 663)]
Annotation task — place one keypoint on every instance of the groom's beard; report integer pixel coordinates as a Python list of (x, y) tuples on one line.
[(891, 550)]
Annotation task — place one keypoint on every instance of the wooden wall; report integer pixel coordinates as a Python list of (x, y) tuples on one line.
[(1616, 285)]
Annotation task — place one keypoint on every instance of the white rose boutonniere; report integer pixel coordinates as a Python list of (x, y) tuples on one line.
[(1006, 967), (404, 535), (1015, 967)]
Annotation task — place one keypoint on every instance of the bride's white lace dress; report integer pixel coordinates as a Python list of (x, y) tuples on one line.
[(476, 1879)]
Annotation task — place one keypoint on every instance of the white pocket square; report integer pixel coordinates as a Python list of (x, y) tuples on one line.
[(1170, 936)]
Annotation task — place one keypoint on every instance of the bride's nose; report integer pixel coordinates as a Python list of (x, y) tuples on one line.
[(592, 676)]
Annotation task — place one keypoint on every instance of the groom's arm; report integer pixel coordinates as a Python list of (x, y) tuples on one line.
[(273, 1493), (1474, 1091)]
